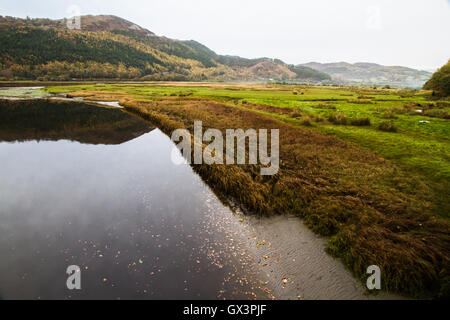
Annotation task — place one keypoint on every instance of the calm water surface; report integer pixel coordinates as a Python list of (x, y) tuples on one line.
[(110, 200)]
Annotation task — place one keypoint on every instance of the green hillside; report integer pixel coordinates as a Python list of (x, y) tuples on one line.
[(109, 47), (440, 81)]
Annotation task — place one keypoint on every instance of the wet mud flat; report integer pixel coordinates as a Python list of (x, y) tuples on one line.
[(296, 265)]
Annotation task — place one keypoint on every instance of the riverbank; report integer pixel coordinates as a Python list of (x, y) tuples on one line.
[(295, 264)]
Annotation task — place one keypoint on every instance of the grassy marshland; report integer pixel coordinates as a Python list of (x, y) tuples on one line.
[(367, 168)]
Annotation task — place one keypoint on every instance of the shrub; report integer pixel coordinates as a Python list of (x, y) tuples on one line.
[(442, 104), (414, 106), (365, 98), (436, 113), (387, 126), (405, 93), (338, 119), (307, 120), (319, 118), (360, 101), (360, 122), (296, 114), (389, 115), (410, 108), (185, 94), (325, 106)]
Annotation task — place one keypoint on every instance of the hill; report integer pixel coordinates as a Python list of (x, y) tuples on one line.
[(109, 47), (372, 74), (440, 81), (88, 23)]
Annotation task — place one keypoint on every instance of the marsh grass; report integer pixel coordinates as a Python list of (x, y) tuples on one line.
[(318, 118), (441, 104), (387, 126), (337, 118), (360, 122), (389, 115), (270, 109), (325, 106), (296, 114), (307, 121), (360, 101), (436, 113)]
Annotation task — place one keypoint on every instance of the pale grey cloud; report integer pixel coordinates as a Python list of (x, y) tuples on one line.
[(402, 32)]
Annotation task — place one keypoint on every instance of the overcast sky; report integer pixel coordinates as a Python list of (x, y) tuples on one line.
[(412, 33)]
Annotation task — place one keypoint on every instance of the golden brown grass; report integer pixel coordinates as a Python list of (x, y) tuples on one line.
[(270, 109)]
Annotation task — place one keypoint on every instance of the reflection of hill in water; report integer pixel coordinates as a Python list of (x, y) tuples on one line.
[(51, 120)]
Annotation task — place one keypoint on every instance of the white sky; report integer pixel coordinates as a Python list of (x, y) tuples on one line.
[(412, 33)]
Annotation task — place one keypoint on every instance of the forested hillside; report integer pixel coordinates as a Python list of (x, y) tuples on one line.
[(109, 47), (440, 81)]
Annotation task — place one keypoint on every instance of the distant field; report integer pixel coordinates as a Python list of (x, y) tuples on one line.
[(370, 168)]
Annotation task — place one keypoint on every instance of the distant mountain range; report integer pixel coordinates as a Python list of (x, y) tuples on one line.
[(372, 74), (109, 47)]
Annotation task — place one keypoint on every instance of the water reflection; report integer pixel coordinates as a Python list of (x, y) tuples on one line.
[(42, 120), (95, 187)]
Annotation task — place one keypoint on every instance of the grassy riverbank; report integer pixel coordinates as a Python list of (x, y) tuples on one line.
[(367, 168)]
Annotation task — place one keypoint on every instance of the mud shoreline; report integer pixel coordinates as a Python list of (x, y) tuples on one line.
[(295, 265)]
